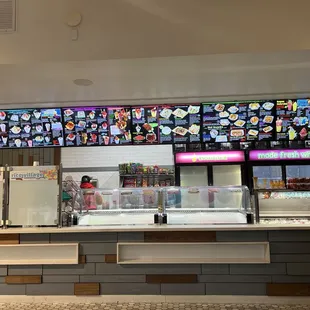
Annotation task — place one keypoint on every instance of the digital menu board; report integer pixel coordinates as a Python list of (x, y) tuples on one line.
[(145, 125), (86, 126), (260, 120), (179, 123), (120, 125), (224, 121), (292, 119), (31, 128)]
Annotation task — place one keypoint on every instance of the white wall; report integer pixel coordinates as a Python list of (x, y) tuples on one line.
[(112, 156)]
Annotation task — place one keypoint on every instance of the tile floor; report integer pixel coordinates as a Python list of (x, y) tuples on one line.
[(146, 306)]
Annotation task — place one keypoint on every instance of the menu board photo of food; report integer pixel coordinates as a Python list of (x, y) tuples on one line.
[(31, 128), (179, 123), (86, 126), (292, 119), (224, 121), (145, 125), (120, 125), (260, 120)]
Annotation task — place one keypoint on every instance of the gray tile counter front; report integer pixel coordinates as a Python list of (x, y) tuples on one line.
[(290, 264)]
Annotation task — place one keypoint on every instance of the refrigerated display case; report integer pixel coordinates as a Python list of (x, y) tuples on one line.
[(213, 168), (281, 185), (177, 205)]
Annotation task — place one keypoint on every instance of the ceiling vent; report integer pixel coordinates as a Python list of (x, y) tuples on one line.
[(7, 16)]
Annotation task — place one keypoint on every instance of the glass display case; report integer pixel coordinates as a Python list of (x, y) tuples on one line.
[(179, 205), (282, 206), (208, 205)]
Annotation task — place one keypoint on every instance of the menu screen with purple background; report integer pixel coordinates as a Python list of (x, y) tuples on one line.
[(31, 128), (86, 126), (209, 157), (276, 155)]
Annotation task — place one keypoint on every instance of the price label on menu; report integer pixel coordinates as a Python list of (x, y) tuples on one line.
[(88, 126), (292, 122), (145, 125), (179, 124), (120, 125), (260, 120), (31, 128), (224, 122)]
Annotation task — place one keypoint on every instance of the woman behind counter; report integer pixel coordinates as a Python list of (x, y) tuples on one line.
[(91, 197)]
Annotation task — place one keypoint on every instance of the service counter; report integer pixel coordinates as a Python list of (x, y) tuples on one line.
[(156, 260)]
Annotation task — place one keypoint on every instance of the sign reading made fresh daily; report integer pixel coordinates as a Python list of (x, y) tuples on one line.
[(209, 157), (286, 154)]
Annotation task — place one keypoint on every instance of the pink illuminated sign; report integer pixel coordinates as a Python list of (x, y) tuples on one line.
[(264, 155), (209, 157)]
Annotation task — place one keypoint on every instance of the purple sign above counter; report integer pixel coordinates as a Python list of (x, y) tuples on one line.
[(288, 154), (209, 157)]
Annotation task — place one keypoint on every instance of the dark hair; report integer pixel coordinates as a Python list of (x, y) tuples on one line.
[(85, 179)]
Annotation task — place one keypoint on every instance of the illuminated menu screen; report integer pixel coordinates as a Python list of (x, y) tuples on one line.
[(260, 120), (292, 122), (238, 121), (224, 121), (145, 125), (31, 128), (179, 123), (86, 126), (120, 125)]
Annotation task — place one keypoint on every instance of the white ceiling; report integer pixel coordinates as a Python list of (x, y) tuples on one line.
[(115, 29), (171, 79)]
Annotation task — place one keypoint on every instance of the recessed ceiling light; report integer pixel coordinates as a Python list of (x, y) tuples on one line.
[(83, 82)]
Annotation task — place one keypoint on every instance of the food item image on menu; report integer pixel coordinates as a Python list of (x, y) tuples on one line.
[(193, 109), (25, 117), (233, 109), (166, 113), (104, 113), (268, 119), (223, 114), (14, 118), (36, 114), (279, 122), (233, 117), (70, 125), (94, 126), (71, 136), (16, 130), (180, 131), (237, 132), (84, 138), (3, 127), (81, 124), (104, 125), (18, 142), (221, 139), (194, 129), (121, 125), (2, 115), (166, 130), (254, 120), (224, 122), (138, 113), (92, 114), (127, 135), (179, 113), (268, 105), (139, 138), (68, 112), (5, 140), (213, 133), (267, 129), (253, 132), (39, 128), (219, 107), (303, 133), (39, 139), (27, 128), (292, 134), (147, 127), (239, 123), (151, 137), (80, 114), (254, 106)]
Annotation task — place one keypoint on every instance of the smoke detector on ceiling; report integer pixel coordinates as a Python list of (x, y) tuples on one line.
[(7, 16)]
